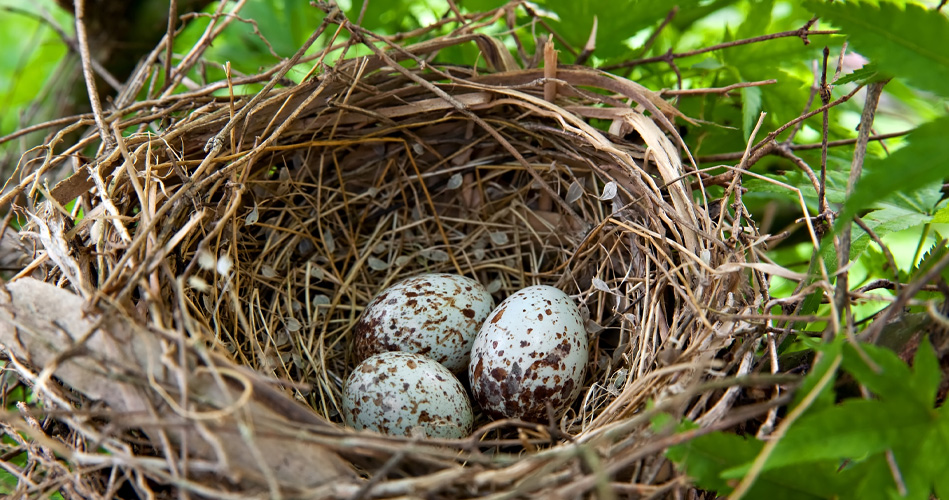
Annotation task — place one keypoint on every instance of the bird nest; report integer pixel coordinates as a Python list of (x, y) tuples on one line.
[(185, 315)]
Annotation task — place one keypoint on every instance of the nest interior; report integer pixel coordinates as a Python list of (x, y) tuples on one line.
[(229, 243)]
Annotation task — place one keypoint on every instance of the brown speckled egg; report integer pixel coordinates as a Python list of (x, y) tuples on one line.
[(405, 394), (437, 315), (531, 350)]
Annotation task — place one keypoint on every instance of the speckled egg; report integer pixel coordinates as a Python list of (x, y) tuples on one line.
[(405, 394), (437, 315), (531, 350)]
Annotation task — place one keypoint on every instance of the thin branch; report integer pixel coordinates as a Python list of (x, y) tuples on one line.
[(803, 117), (825, 127), (170, 38), (810, 100), (40, 126), (655, 34), (798, 147), (802, 33), (83, 39), (856, 167), (785, 152), (717, 90), (883, 248)]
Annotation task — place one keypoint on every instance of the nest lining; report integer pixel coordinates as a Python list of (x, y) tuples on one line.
[(251, 232)]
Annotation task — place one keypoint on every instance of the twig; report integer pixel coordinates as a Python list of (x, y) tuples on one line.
[(805, 116), (883, 248), (210, 33), (810, 100), (856, 167), (250, 106), (785, 152), (824, 99), (717, 90), (170, 38), (655, 34), (83, 39), (873, 331), (40, 126), (589, 47), (803, 33), (895, 472), (798, 147)]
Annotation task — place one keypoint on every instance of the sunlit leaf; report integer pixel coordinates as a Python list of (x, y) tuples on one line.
[(904, 39)]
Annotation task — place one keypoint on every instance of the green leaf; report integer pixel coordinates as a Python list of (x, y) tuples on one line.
[(920, 163), (906, 40), (926, 374), (750, 109), (929, 259), (707, 457), (942, 216), (851, 430), (888, 377), (899, 419), (866, 74), (756, 19)]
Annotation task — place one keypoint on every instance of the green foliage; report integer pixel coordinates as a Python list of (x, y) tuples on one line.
[(32, 52), (936, 253), (750, 109), (840, 450), (903, 39), (921, 164), (866, 74), (616, 21)]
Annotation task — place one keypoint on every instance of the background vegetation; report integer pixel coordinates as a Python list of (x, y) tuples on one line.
[(869, 421)]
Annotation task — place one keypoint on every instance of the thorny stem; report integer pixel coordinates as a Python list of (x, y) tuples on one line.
[(802, 33), (824, 99)]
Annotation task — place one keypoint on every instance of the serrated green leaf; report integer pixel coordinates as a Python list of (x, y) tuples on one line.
[(929, 259), (750, 109), (906, 40), (705, 458), (851, 430), (941, 216), (871, 478), (887, 379), (866, 74), (900, 419), (919, 164)]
